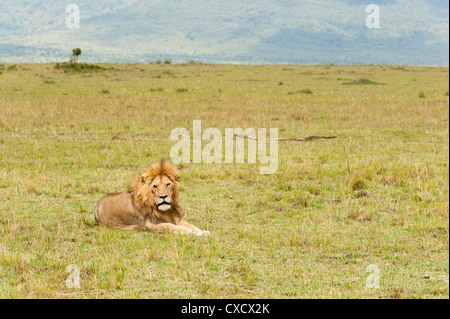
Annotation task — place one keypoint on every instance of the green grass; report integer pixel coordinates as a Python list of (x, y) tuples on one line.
[(377, 194)]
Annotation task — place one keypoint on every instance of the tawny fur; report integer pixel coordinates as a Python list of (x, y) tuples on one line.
[(151, 204)]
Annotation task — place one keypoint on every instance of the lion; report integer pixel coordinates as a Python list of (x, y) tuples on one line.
[(151, 204)]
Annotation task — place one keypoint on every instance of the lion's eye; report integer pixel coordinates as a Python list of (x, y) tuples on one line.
[(155, 186), (168, 185)]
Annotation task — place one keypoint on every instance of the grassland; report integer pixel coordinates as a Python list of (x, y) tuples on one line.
[(378, 194)]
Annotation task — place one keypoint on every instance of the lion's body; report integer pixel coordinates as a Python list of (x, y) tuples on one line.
[(151, 204), (117, 211)]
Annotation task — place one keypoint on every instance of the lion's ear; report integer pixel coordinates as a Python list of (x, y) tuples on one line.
[(177, 177)]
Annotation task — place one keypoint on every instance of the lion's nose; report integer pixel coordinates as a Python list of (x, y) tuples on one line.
[(162, 196)]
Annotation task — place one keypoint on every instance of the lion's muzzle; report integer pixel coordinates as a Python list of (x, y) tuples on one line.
[(164, 203)]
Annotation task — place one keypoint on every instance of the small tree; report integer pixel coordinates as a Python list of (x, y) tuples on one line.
[(75, 53)]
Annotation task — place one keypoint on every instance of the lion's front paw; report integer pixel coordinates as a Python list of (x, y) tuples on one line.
[(202, 233), (187, 231)]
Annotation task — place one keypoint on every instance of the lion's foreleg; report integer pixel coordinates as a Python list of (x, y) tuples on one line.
[(163, 227), (197, 231)]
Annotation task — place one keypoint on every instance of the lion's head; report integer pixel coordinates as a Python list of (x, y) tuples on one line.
[(155, 191)]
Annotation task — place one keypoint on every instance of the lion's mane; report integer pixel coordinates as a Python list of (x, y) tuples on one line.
[(142, 197)]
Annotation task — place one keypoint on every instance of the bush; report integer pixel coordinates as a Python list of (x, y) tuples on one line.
[(362, 82), (12, 67), (304, 91), (79, 67), (194, 62)]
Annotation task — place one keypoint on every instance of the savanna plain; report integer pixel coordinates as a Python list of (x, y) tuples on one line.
[(364, 215)]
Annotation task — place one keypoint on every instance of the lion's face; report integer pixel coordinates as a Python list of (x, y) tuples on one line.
[(162, 189), (156, 189)]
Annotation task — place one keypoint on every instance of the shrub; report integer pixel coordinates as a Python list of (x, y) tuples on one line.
[(357, 184), (304, 91), (12, 67), (194, 62), (362, 82), (79, 67)]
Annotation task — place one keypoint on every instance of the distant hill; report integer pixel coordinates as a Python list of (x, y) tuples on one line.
[(263, 31)]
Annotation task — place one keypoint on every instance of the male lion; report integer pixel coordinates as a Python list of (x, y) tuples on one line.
[(151, 204)]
